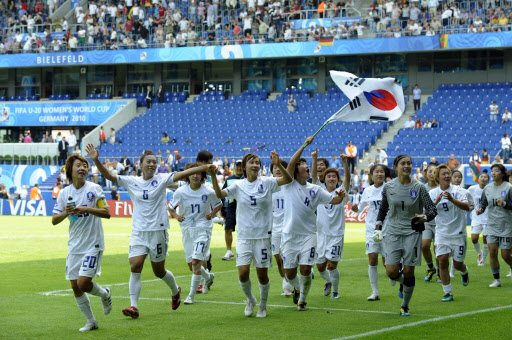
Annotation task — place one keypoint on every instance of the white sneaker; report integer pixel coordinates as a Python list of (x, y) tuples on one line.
[(189, 300), (218, 220), (496, 283), (89, 326), (480, 260), (107, 302), (229, 256), (374, 297), (287, 287), (249, 309), (262, 312), (509, 273), (208, 284)]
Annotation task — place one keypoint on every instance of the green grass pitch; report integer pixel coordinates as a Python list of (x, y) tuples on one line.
[(37, 301)]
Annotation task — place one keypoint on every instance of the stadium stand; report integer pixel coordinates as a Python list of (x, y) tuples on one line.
[(464, 125)]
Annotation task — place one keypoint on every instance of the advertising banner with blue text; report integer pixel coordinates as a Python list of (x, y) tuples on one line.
[(18, 175), (26, 207)]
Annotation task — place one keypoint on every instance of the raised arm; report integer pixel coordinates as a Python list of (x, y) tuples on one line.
[(218, 191), (340, 195), (178, 176), (346, 172), (295, 158), (287, 178), (314, 171), (94, 154)]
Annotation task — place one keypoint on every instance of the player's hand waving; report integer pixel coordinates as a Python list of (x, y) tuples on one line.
[(274, 158), (341, 194), (91, 150), (314, 154)]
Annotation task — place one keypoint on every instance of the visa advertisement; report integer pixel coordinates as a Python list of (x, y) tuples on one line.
[(58, 113)]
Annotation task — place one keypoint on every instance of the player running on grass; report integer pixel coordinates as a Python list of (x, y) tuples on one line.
[(150, 222), (429, 234), (254, 215), (86, 242), (298, 242), (404, 199), (330, 223), (196, 202), (479, 222), (372, 196), (451, 236), (277, 227), (497, 197)]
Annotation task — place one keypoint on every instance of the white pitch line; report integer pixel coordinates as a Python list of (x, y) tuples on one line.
[(412, 324)]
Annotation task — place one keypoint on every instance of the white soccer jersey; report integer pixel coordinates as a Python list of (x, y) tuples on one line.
[(149, 200), (300, 204), (450, 220), (195, 204), (254, 206), (372, 196), (278, 212), (476, 192), (86, 233), (330, 218)]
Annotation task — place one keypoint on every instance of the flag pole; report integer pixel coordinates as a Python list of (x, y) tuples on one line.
[(316, 133)]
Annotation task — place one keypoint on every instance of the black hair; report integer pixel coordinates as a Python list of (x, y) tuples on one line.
[(195, 165), (246, 160), (399, 158), (204, 156), (146, 153), (296, 170), (324, 160), (456, 171), (384, 167), (502, 169), (283, 163)]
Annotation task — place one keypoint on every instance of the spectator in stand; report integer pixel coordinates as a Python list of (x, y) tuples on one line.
[(452, 163), (112, 139), (125, 162), (383, 157), (114, 194), (505, 147), (485, 156), (416, 92), (435, 124), (336, 163), (177, 160), (63, 151), (475, 158), (351, 152), (506, 116), (149, 97), (292, 104), (160, 93), (164, 139), (103, 139), (169, 158), (497, 160), (418, 124), (218, 163), (35, 193), (71, 142), (409, 124), (28, 138), (77, 150), (494, 110), (163, 169), (433, 161), (427, 124), (418, 175)]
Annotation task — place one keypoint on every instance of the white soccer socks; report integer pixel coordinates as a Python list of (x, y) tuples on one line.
[(134, 287), (305, 285), (247, 289), (325, 275), (196, 281), (205, 273), (478, 248), (85, 307), (447, 289), (97, 290), (485, 252), (295, 282), (171, 282), (335, 279), (264, 289), (372, 273)]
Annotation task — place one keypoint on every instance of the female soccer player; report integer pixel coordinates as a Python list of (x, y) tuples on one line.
[(451, 236), (404, 199), (372, 196), (196, 202), (254, 217), (497, 196), (479, 222), (429, 234), (330, 223), (150, 222), (298, 243), (86, 241), (277, 227)]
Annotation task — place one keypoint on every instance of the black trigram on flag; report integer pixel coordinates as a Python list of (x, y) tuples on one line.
[(397, 81), (355, 82), (355, 103)]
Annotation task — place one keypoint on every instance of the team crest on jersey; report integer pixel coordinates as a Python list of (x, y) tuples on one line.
[(312, 193), (414, 194), (204, 198), (503, 193), (260, 188), (154, 183), (90, 196)]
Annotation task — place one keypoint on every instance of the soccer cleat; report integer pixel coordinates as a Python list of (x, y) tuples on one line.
[(495, 283), (301, 306), (132, 312), (438, 279), (107, 302), (208, 284), (465, 278), (249, 309), (480, 260), (189, 300), (287, 288), (228, 256), (287, 293), (312, 274), (401, 291), (262, 312), (176, 301), (430, 275), (404, 311), (89, 326), (296, 296), (327, 289), (374, 297), (335, 295), (447, 297), (199, 289)]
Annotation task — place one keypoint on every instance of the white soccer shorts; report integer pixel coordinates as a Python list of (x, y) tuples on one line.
[(298, 249), (153, 243), (276, 243), (454, 246), (196, 243), (257, 250), (88, 265), (375, 247), (478, 228), (329, 248)]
